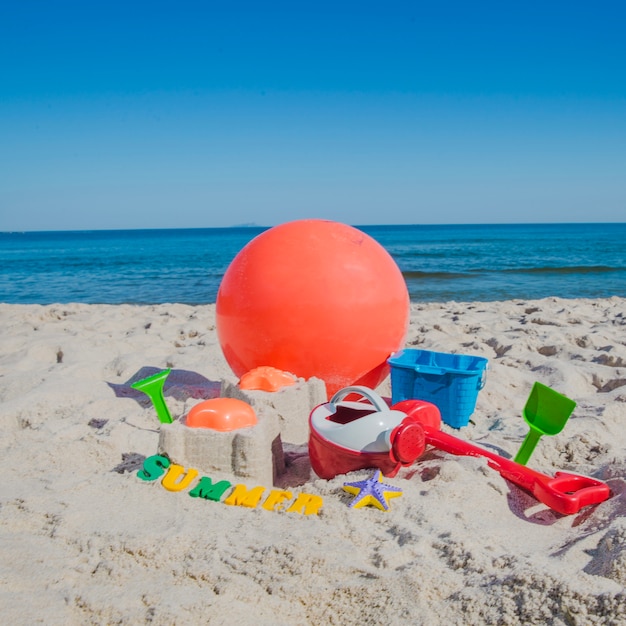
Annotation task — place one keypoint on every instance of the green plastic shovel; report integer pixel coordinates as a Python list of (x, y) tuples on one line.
[(546, 412)]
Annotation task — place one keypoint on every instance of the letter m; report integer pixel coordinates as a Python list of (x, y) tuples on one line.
[(209, 491), (242, 497)]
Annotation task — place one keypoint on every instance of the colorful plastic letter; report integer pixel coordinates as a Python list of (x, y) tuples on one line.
[(208, 490), (307, 504), (240, 496), (153, 467), (174, 474), (275, 500)]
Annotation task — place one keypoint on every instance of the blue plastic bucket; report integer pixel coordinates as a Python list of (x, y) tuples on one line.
[(450, 381)]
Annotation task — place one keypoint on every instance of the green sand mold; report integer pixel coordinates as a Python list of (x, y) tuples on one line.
[(153, 388)]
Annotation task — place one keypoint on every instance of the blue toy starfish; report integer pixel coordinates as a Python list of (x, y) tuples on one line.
[(372, 491)]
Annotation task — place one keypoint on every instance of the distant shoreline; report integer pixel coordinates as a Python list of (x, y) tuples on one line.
[(252, 225)]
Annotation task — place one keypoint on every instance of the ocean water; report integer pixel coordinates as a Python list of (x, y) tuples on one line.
[(439, 263)]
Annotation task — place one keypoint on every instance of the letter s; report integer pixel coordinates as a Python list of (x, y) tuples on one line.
[(153, 467)]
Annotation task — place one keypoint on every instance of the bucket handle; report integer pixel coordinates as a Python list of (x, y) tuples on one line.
[(378, 403), (483, 378)]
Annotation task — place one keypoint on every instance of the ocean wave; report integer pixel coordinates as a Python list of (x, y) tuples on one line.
[(476, 272), (437, 275), (571, 269)]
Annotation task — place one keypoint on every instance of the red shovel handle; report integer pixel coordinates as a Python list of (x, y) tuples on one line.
[(564, 493), (568, 493)]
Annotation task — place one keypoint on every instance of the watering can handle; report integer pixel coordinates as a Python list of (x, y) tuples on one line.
[(377, 402)]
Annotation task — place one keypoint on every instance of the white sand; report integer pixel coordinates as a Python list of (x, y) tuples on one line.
[(82, 543)]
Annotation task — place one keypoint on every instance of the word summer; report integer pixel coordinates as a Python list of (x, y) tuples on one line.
[(178, 479)]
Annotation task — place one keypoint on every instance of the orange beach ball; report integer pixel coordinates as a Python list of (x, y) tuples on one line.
[(314, 298)]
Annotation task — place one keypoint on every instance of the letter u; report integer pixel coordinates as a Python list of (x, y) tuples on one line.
[(172, 481)]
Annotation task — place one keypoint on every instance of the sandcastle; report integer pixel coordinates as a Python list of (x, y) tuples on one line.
[(253, 454)]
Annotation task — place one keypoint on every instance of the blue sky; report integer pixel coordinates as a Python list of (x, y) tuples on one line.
[(201, 114)]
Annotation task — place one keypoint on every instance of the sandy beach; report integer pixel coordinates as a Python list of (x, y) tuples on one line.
[(85, 541)]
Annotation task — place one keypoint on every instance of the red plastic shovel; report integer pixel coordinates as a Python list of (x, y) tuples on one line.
[(564, 493)]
